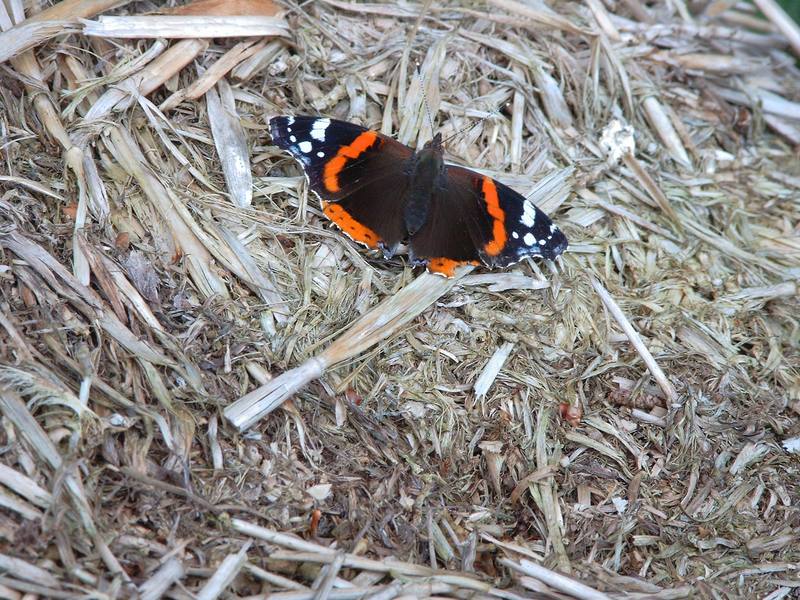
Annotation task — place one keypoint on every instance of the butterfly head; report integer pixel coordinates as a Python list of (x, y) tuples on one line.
[(434, 144)]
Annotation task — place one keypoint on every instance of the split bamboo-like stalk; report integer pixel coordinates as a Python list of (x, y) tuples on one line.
[(186, 26)]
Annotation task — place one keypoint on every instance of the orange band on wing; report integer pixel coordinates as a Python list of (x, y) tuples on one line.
[(349, 225), (447, 266), (494, 246), (334, 166)]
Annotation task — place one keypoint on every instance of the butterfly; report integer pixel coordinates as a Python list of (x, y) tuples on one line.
[(382, 193)]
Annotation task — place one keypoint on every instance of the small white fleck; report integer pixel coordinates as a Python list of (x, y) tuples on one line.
[(620, 504), (292, 139), (321, 154), (290, 120), (529, 239), (515, 235), (792, 445), (553, 228), (305, 147), (528, 214), (617, 140), (542, 242), (289, 129), (550, 237)]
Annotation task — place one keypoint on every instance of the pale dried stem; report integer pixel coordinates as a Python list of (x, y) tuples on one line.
[(20, 34), (224, 575), (186, 27), (773, 11), (174, 213), (543, 18), (636, 341), (659, 120), (236, 55), (153, 76), (555, 580)]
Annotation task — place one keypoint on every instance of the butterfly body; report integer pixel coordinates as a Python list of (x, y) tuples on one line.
[(382, 193), (427, 172)]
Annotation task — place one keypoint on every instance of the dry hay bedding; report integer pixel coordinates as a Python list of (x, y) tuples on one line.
[(636, 408)]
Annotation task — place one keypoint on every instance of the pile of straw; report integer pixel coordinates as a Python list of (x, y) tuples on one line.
[(206, 390)]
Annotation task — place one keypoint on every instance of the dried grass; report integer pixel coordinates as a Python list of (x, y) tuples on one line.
[(623, 424)]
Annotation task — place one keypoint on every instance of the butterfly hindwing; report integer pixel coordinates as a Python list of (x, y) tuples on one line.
[(448, 238)]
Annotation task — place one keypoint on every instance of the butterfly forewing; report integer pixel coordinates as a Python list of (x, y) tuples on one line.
[(512, 227), (356, 172)]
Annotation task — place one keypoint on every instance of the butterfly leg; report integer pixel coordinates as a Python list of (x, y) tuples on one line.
[(388, 250)]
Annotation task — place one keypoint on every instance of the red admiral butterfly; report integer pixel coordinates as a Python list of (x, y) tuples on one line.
[(381, 193)]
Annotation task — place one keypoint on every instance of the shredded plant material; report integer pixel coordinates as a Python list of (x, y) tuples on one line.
[(207, 390)]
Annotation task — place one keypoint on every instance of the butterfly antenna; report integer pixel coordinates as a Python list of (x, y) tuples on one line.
[(471, 126), (425, 98)]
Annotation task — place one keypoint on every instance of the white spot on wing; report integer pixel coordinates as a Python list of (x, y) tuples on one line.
[(290, 121), (318, 129), (528, 214), (321, 154), (529, 239), (515, 235), (542, 242), (292, 139), (305, 147)]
